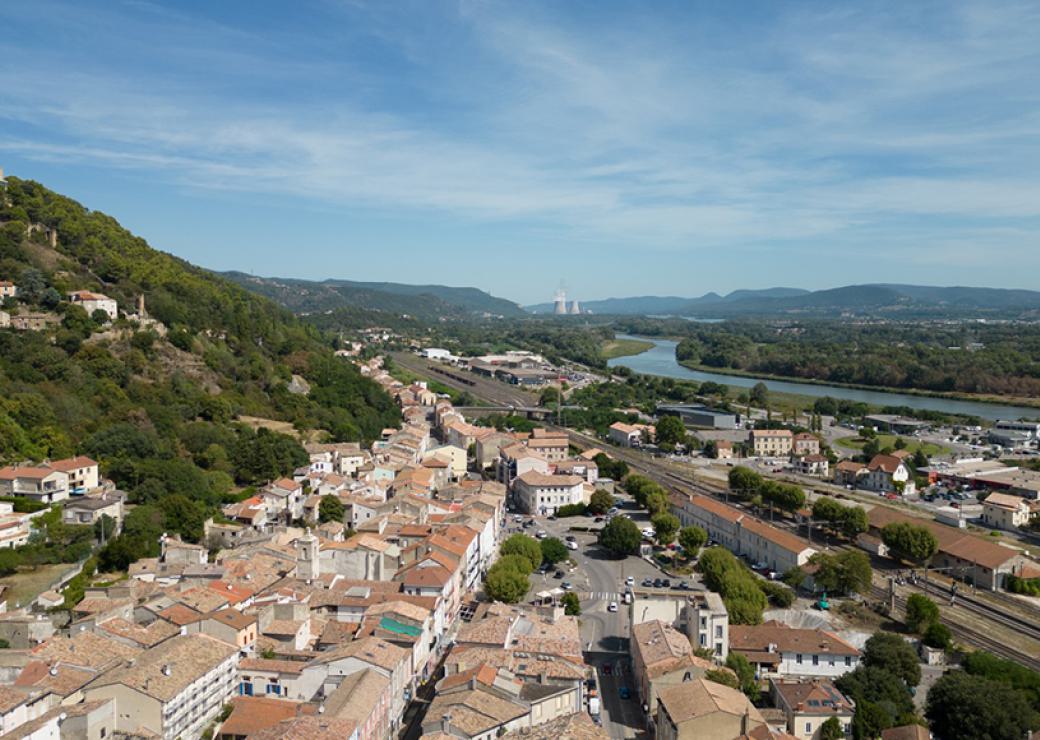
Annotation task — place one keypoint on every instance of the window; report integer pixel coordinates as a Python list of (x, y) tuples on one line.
[(848, 660), (718, 630), (816, 660), (798, 659), (808, 728)]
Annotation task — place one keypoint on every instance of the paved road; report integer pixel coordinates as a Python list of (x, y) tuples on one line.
[(599, 579)]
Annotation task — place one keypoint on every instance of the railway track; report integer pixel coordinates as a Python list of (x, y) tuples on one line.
[(968, 635), (1021, 624)]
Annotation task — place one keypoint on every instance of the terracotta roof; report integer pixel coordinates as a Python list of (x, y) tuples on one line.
[(11, 472), (271, 665), (475, 712), (787, 639), (73, 463), (184, 659), (308, 728), (664, 649), (85, 649), (357, 696), (369, 650), (232, 618), (180, 614), (771, 433), (428, 576), (700, 698), (251, 714), (1005, 501), (578, 726), (716, 507), (818, 696), (58, 678), (146, 637), (534, 478), (777, 536), (886, 463), (850, 466)]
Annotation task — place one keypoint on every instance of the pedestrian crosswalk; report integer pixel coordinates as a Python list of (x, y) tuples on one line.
[(603, 595)]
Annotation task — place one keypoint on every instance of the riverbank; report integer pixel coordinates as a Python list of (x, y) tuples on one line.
[(615, 348), (967, 397), (660, 361)]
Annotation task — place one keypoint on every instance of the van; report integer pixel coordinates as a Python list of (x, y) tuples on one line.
[(627, 597)]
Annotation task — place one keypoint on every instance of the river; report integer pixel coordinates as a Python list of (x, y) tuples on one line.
[(660, 360)]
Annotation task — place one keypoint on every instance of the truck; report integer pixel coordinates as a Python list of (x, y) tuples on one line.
[(594, 707)]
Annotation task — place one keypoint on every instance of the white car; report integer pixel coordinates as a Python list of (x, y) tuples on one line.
[(648, 533), (612, 607), (572, 545), (630, 581)]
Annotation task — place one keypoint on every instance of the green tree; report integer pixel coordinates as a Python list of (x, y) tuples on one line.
[(553, 550), (724, 677), (692, 540), (760, 395), (665, 528), (711, 449), (870, 720), (331, 509), (965, 707), (832, 729), (853, 522), (884, 690), (516, 562), (506, 584), (921, 612), (104, 528), (911, 542), (600, 501), (571, 604), (657, 502), (670, 431), (845, 573), (745, 675), (549, 396), (938, 635), (744, 482), (620, 536), (894, 654), (521, 544)]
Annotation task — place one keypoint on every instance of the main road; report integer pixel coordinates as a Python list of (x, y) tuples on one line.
[(599, 580)]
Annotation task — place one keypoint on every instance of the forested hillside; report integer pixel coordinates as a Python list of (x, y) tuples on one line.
[(424, 302), (158, 412)]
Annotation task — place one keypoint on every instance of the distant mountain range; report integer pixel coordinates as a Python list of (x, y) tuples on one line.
[(671, 305), (881, 300), (427, 302)]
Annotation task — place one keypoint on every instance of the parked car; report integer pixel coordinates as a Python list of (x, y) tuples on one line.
[(630, 581), (566, 586), (657, 583), (666, 583), (541, 534), (624, 692), (558, 574), (572, 545), (612, 606), (647, 582), (598, 519), (571, 538)]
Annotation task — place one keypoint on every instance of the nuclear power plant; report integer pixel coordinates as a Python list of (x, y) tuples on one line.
[(560, 307)]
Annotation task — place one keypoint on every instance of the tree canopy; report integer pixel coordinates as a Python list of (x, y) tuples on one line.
[(620, 536)]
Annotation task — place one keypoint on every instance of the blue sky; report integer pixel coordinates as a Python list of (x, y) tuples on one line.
[(626, 148)]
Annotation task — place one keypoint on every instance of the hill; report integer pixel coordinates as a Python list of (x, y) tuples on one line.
[(896, 301), (871, 300), (670, 305), (156, 400), (425, 302)]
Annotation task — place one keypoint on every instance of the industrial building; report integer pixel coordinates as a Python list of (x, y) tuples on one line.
[(694, 415)]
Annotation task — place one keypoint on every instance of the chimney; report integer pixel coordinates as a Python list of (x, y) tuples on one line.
[(167, 670), (446, 724)]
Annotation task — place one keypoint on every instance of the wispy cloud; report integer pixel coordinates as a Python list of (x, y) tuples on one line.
[(633, 127)]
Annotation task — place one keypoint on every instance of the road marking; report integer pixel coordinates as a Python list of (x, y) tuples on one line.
[(604, 595)]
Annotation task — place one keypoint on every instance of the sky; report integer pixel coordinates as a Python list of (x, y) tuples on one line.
[(619, 147)]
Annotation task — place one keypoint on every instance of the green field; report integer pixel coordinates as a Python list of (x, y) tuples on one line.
[(889, 440), (624, 348)]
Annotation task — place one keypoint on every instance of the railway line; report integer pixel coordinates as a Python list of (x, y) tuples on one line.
[(1020, 623), (968, 635)]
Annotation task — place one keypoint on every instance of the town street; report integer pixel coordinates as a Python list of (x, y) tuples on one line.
[(599, 580)]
